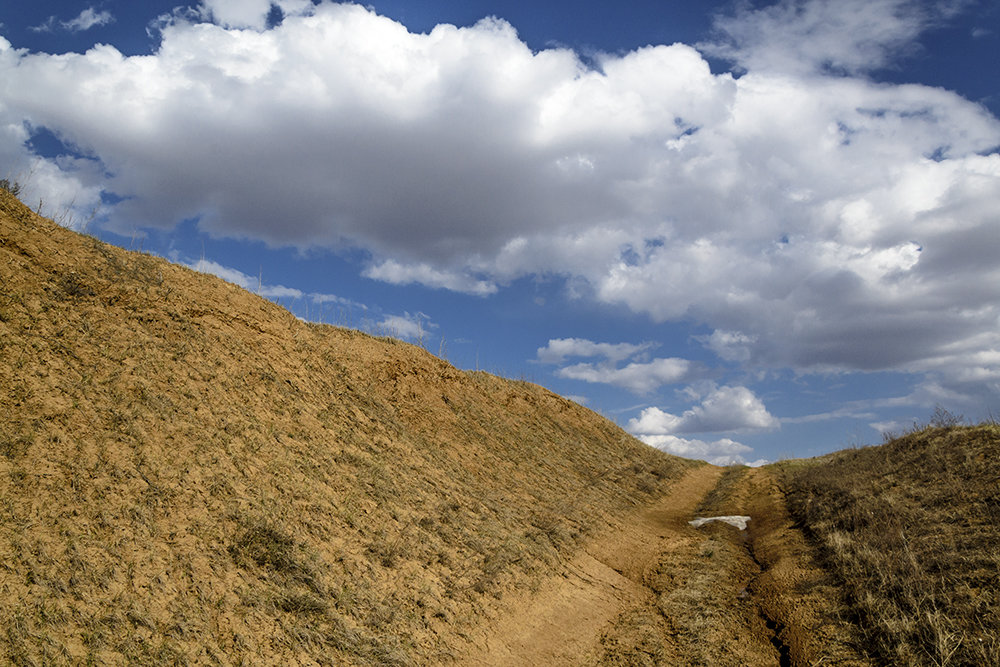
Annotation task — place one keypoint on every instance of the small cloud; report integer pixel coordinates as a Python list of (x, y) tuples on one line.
[(641, 376), (725, 409), (250, 283), (88, 18), (638, 378), (320, 298), (717, 452), (48, 26), (729, 345), (890, 427), (257, 285), (558, 349), (397, 273), (843, 413), (406, 326), (821, 35)]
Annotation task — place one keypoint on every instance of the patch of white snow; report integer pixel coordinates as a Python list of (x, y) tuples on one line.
[(737, 521)]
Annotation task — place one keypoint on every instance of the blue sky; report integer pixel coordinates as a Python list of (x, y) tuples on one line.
[(743, 231)]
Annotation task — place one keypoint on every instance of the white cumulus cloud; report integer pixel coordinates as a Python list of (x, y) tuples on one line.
[(266, 289), (414, 327), (724, 409), (250, 283), (812, 218), (720, 452), (394, 272)]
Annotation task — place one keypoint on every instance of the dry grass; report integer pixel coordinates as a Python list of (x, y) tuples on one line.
[(911, 529), (190, 474)]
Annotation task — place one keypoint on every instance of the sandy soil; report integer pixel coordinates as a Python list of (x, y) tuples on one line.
[(563, 622)]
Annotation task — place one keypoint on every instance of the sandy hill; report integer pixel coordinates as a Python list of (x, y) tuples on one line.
[(190, 474)]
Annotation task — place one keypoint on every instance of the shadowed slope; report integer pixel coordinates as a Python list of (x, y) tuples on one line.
[(911, 528), (190, 473)]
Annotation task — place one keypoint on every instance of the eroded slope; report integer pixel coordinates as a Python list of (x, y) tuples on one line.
[(189, 473)]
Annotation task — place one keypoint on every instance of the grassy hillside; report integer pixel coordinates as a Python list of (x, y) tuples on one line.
[(188, 473), (911, 530)]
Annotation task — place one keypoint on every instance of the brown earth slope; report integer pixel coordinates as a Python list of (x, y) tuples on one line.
[(190, 474)]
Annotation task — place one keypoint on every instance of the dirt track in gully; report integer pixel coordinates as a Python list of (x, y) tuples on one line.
[(661, 592)]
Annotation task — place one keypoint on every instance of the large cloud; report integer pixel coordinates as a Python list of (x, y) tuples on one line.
[(811, 221)]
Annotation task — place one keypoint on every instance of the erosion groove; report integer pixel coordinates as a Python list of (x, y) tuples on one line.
[(802, 611), (660, 592), (774, 626), (784, 651)]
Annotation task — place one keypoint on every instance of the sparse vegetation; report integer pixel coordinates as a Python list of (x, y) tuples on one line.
[(912, 530), (13, 187), (190, 474)]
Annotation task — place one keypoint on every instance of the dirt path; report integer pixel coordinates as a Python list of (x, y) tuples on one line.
[(562, 623), (660, 592)]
